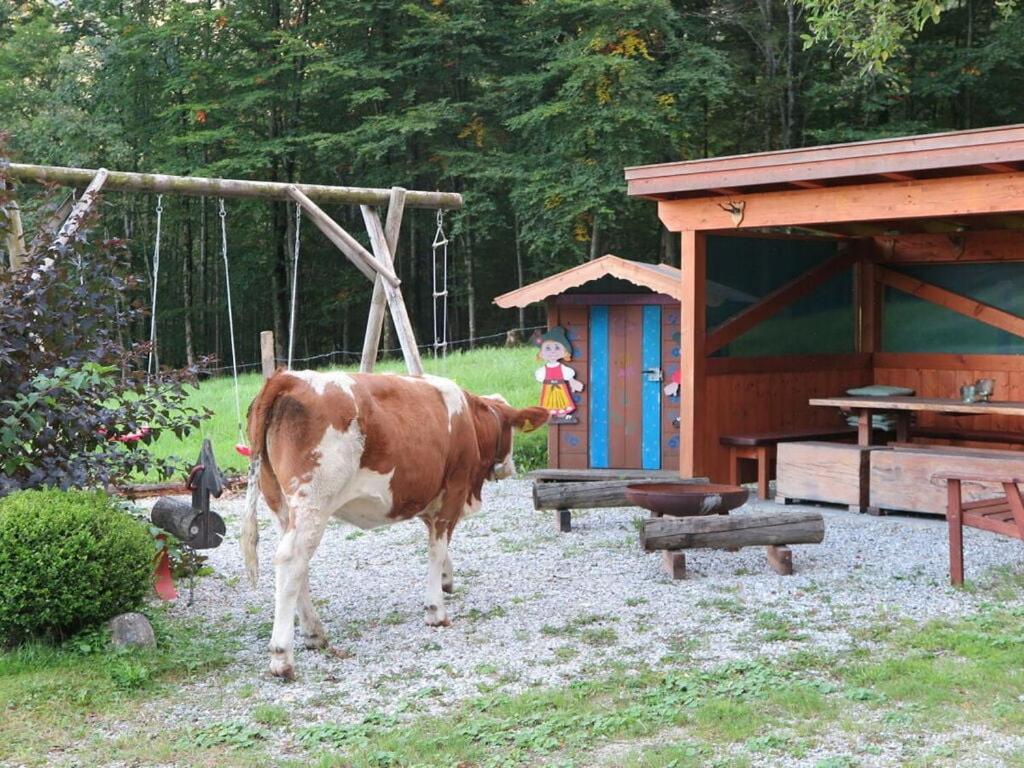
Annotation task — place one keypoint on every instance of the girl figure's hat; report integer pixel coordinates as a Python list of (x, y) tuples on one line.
[(559, 335)]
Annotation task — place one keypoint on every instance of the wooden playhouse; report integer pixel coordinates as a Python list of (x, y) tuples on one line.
[(622, 319)]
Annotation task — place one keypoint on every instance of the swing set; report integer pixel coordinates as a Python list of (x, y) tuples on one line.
[(377, 263)]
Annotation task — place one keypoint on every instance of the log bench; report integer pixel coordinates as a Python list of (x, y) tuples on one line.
[(1004, 516), (760, 447), (566, 490), (774, 530)]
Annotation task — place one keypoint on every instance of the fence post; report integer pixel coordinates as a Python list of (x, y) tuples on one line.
[(267, 353)]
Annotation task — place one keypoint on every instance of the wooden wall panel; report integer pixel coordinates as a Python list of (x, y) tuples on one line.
[(624, 384), (670, 336), (568, 445), (761, 402)]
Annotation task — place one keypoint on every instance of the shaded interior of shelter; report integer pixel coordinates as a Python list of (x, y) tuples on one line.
[(762, 379)]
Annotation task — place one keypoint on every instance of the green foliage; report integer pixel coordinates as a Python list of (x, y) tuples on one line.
[(68, 560)]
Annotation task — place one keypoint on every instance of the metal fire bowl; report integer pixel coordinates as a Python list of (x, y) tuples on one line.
[(686, 500)]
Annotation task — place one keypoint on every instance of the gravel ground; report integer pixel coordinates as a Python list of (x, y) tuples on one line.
[(534, 607)]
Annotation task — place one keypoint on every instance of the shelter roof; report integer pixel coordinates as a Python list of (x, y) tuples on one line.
[(958, 153)]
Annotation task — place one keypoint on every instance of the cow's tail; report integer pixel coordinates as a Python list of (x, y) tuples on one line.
[(259, 417), (250, 526)]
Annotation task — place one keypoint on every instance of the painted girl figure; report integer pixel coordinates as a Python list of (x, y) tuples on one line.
[(558, 381)]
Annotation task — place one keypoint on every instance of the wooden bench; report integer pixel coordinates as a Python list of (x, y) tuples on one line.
[(968, 435), (1004, 516), (760, 448)]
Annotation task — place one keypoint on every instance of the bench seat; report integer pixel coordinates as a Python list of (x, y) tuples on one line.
[(759, 447), (968, 435)]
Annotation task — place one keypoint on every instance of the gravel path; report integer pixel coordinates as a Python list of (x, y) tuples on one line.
[(533, 607)]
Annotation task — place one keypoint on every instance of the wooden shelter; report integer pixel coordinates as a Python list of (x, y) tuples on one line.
[(927, 250)]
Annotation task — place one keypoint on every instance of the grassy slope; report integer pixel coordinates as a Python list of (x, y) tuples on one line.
[(484, 371)]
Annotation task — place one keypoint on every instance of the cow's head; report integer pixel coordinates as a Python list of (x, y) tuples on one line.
[(494, 430)]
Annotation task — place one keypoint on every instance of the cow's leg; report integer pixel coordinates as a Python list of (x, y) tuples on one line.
[(437, 556), (309, 622), (447, 576), (292, 564)]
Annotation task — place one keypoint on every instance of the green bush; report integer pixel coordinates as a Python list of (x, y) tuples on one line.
[(68, 560)]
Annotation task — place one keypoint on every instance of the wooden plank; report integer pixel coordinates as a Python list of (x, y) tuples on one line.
[(983, 246), (723, 366), (396, 302), (778, 299), (693, 355), (632, 381), (922, 404), (612, 299), (913, 480), (976, 310), (378, 303), (958, 196), (731, 531), (14, 235), (821, 471), (267, 362), (599, 387), (869, 304), (950, 362), (651, 389), (210, 187), (80, 210), (618, 390), (347, 244)]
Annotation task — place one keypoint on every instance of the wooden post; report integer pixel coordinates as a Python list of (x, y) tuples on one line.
[(347, 244), (399, 314), (267, 353), (80, 211), (15, 235), (869, 301), (692, 355), (375, 320)]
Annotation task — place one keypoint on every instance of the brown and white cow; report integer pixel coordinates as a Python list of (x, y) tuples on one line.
[(371, 450)]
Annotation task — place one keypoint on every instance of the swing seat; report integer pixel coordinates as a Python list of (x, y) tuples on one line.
[(243, 449)]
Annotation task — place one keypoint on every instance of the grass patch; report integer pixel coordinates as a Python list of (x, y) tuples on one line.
[(486, 371), (52, 696)]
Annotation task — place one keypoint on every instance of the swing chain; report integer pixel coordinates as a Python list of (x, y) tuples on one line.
[(231, 318), (440, 243), (295, 284)]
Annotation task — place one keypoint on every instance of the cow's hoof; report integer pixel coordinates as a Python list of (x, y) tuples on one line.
[(315, 642), (282, 668), (436, 617)]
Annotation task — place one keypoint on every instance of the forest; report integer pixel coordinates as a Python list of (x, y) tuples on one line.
[(528, 108)]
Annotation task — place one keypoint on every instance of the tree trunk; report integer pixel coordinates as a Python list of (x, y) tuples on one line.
[(186, 288), (470, 287), (595, 239), (519, 275)]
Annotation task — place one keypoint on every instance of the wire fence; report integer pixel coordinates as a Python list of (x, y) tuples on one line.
[(345, 354)]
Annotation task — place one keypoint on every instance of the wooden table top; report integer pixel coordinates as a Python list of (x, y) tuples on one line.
[(929, 404)]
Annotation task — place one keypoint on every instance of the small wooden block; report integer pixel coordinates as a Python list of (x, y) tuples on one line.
[(780, 558), (563, 520), (673, 564)]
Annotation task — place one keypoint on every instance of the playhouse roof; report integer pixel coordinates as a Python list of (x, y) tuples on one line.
[(980, 151), (660, 278)]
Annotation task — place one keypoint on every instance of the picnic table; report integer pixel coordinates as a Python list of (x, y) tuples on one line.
[(902, 408)]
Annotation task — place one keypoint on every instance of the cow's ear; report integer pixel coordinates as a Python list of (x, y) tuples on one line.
[(529, 419)]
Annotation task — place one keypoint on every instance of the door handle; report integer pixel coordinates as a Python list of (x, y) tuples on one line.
[(653, 374)]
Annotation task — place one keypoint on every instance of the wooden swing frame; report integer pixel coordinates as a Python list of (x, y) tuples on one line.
[(378, 266)]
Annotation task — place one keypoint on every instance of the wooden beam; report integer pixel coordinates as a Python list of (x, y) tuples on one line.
[(944, 361), (121, 181), (14, 235), (692, 354), (959, 196), (757, 313), (347, 244), (267, 361), (49, 228), (999, 167), (897, 176), (375, 319), (985, 313), (868, 305), (399, 313), (80, 210), (982, 246), (804, 184)]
